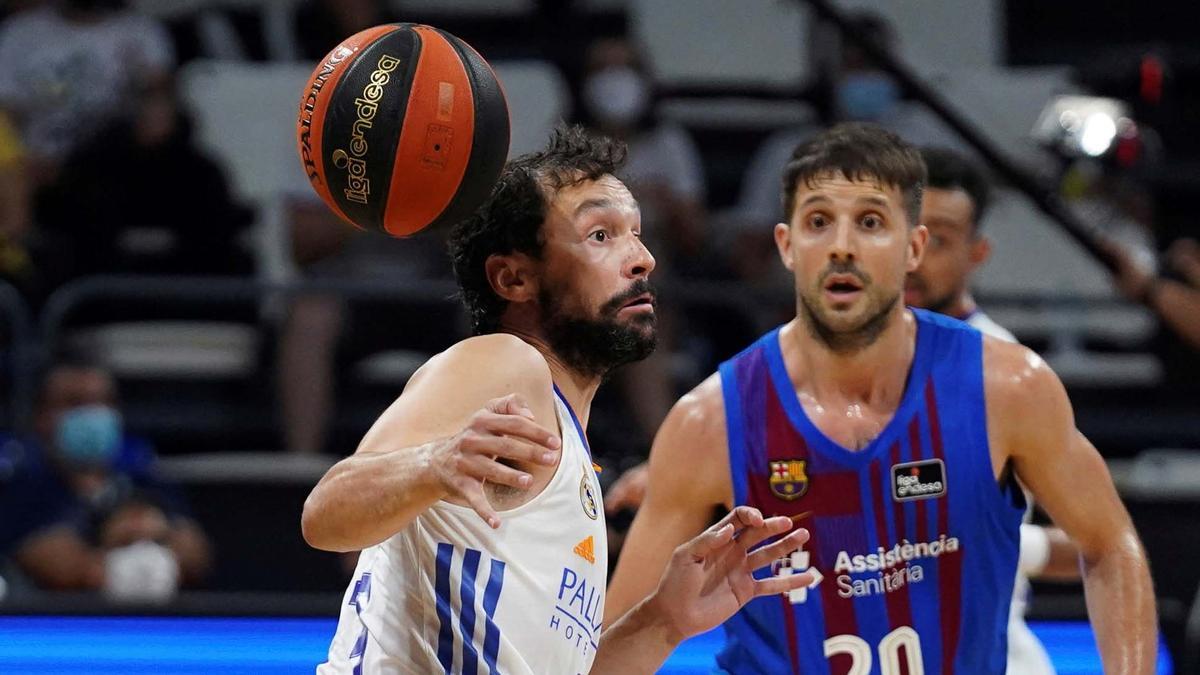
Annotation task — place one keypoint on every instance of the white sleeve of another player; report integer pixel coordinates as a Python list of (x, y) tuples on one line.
[(984, 324)]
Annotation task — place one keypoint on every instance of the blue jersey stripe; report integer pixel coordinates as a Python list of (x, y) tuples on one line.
[(491, 595), (445, 554), (574, 419), (466, 617), (734, 432)]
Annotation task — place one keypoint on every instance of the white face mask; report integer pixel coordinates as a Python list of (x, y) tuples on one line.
[(143, 572), (616, 96)]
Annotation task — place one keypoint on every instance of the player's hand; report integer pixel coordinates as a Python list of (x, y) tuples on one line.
[(629, 491), (711, 577), (1184, 257), (503, 430)]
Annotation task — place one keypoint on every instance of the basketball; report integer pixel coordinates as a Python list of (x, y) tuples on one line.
[(402, 127)]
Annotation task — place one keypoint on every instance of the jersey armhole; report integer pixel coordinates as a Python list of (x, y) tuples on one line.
[(735, 432)]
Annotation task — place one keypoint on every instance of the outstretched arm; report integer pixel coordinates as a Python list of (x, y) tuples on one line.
[(449, 432), (1030, 416), (707, 580)]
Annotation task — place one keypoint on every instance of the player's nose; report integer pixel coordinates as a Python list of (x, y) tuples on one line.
[(640, 262)]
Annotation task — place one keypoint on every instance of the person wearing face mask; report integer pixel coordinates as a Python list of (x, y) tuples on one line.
[(83, 509), (857, 90)]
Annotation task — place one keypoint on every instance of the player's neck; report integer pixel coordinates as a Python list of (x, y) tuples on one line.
[(874, 374), (576, 388), (962, 307)]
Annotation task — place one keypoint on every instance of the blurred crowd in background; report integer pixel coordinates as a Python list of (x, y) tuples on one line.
[(130, 145)]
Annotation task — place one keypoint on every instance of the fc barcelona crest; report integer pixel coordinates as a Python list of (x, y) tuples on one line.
[(789, 480)]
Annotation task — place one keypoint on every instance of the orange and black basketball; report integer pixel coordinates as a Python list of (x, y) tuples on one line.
[(403, 127)]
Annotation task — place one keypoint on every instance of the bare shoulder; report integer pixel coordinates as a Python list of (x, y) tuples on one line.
[(699, 417), (1027, 405), (444, 392), (693, 436), (1016, 378), (487, 363)]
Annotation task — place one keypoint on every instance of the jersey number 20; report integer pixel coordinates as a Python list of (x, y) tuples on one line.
[(889, 652)]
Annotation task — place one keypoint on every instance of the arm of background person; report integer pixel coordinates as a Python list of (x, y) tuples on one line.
[(1030, 416), (58, 559), (705, 582), (688, 477), (413, 455)]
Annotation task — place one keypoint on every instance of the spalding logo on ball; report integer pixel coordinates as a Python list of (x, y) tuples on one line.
[(403, 127)]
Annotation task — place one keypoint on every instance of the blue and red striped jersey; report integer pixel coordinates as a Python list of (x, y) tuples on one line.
[(914, 540)]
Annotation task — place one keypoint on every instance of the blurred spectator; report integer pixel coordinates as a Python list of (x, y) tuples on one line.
[(319, 326), (83, 507), (322, 24), (665, 174), (141, 198), (1175, 300), (664, 167), (857, 90), (68, 68), (14, 206)]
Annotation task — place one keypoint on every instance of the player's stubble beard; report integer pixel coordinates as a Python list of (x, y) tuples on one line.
[(941, 304), (593, 346), (846, 339)]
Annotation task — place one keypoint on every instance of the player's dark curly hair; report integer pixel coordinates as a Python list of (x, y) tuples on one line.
[(950, 170), (511, 219), (858, 151)]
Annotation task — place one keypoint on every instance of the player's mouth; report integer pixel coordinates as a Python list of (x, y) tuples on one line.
[(640, 304), (842, 288)]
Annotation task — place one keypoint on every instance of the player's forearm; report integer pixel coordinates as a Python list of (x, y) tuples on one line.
[(1179, 307), (1063, 562), (639, 642), (368, 497), (1120, 600)]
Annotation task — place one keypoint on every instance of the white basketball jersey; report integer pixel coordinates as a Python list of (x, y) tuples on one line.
[(448, 594)]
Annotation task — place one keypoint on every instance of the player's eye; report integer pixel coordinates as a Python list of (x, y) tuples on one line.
[(817, 221), (872, 221), (599, 236)]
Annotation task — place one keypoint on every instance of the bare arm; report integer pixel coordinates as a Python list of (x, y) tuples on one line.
[(58, 559), (486, 399), (678, 504), (707, 580), (1179, 307), (1030, 416)]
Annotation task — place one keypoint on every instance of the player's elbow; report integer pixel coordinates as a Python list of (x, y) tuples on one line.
[(1121, 547), (316, 528)]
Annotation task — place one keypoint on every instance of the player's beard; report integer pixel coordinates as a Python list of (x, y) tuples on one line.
[(836, 334), (940, 304), (593, 346)]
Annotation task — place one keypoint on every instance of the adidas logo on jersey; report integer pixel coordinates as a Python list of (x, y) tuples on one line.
[(586, 549)]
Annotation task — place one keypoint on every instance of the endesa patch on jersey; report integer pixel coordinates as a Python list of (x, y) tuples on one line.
[(918, 480)]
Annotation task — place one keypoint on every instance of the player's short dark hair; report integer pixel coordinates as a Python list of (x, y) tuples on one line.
[(950, 170), (858, 152), (511, 218)]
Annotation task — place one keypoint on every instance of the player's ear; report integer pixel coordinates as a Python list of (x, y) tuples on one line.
[(783, 242), (918, 239), (512, 276), (980, 250)]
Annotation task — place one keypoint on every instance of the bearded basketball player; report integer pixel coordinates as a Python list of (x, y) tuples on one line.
[(474, 499)]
